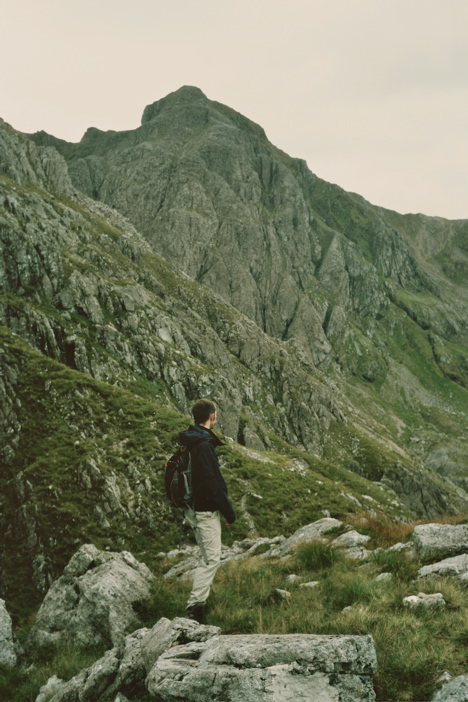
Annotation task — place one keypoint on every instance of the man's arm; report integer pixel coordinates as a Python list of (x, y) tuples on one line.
[(209, 465)]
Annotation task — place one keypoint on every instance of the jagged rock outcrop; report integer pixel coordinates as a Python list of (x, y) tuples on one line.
[(91, 602), (120, 311), (52, 686), (119, 670), (10, 426), (259, 227)]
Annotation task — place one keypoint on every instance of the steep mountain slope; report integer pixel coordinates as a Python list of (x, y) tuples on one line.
[(376, 300), (104, 345)]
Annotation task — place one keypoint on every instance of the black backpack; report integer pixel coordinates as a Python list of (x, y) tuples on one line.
[(178, 478)]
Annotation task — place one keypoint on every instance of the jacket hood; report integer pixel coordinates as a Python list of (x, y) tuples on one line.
[(195, 434)]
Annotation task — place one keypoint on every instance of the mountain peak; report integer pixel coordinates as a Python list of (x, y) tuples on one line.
[(187, 94)]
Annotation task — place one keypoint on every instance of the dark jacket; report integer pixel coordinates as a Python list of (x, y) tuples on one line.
[(210, 490)]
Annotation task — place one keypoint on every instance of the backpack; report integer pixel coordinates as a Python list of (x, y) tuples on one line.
[(178, 478)]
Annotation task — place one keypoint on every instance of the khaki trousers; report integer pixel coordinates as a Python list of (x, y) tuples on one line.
[(209, 533)]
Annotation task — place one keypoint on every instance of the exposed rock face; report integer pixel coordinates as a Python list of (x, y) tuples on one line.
[(440, 540), (142, 317), (166, 633), (9, 648), (9, 406), (92, 601), (261, 668), (47, 691), (350, 539)]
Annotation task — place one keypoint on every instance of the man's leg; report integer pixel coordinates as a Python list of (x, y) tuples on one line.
[(209, 532)]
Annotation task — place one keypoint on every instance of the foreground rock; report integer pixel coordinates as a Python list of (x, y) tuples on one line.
[(440, 540), (9, 648), (267, 668), (454, 691), (91, 602)]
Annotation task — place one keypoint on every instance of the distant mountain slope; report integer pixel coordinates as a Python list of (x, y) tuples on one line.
[(376, 300)]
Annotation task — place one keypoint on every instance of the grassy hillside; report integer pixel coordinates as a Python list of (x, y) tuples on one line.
[(88, 467)]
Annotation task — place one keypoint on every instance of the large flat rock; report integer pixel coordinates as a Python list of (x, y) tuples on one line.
[(267, 668)]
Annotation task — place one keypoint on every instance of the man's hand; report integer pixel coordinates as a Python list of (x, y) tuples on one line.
[(227, 523)]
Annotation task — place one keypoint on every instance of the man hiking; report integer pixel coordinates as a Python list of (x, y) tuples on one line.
[(210, 501)]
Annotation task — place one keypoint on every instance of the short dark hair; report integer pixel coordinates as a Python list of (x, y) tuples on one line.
[(202, 410)]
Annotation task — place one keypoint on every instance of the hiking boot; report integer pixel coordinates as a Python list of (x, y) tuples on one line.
[(197, 612)]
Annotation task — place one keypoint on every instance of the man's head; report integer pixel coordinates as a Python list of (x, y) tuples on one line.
[(204, 413)]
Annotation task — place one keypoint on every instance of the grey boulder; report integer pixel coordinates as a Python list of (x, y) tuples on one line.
[(91, 602), (440, 540), (267, 668)]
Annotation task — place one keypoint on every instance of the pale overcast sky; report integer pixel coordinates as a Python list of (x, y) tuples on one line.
[(373, 94)]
